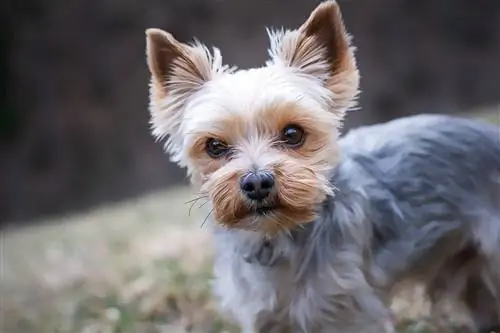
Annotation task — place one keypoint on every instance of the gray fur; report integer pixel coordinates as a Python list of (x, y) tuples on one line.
[(417, 199)]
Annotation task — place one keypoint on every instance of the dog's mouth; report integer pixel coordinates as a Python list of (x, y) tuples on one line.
[(264, 210)]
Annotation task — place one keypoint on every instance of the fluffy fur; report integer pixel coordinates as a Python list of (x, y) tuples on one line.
[(412, 200)]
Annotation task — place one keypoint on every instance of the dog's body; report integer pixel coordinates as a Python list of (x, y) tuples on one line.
[(417, 199), (313, 233)]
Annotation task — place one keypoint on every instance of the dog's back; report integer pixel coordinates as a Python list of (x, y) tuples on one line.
[(425, 158), (435, 198)]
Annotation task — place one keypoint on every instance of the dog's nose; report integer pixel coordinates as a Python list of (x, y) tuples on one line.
[(257, 185)]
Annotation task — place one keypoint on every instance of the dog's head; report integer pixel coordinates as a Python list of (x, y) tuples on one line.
[(258, 142)]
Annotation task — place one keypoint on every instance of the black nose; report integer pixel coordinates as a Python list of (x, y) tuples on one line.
[(257, 185)]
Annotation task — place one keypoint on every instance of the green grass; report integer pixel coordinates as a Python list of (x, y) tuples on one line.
[(141, 266)]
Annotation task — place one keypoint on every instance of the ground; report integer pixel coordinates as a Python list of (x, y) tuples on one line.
[(141, 266)]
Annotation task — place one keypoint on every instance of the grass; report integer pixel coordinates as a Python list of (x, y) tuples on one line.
[(141, 266)]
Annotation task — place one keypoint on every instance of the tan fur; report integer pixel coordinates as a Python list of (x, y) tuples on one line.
[(300, 189), (299, 172), (267, 124), (184, 76), (326, 277), (321, 47), (177, 71)]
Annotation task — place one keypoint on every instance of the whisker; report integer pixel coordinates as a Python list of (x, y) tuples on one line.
[(196, 199), (190, 208), (206, 218), (203, 204), (192, 205)]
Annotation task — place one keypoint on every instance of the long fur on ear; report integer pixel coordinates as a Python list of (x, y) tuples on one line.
[(321, 47), (177, 72)]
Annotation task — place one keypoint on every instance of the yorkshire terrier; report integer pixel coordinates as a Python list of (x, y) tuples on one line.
[(314, 233)]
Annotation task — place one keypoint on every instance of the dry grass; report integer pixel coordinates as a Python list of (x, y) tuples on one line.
[(140, 266)]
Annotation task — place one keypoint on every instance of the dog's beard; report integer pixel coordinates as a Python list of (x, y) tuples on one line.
[(299, 192)]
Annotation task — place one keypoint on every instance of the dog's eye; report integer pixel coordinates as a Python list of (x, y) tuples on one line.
[(293, 136), (216, 148)]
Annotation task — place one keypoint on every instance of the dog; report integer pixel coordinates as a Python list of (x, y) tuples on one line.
[(314, 231)]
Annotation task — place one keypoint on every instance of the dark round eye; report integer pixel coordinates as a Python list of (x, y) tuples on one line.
[(293, 136), (216, 148)]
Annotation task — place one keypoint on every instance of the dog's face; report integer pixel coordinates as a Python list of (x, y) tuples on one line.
[(258, 142)]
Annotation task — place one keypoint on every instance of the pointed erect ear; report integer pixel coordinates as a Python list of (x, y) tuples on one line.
[(171, 61), (321, 47), (177, 72)]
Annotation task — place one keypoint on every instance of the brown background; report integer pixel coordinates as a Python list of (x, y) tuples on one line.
[(73, 103)]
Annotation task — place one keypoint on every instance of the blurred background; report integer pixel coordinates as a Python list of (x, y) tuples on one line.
[(81, 173)]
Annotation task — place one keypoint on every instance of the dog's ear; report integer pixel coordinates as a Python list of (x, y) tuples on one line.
[(321, 47), (172, 62), (177, 72)]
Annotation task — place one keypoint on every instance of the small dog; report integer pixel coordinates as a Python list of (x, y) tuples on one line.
[(313, 232)]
